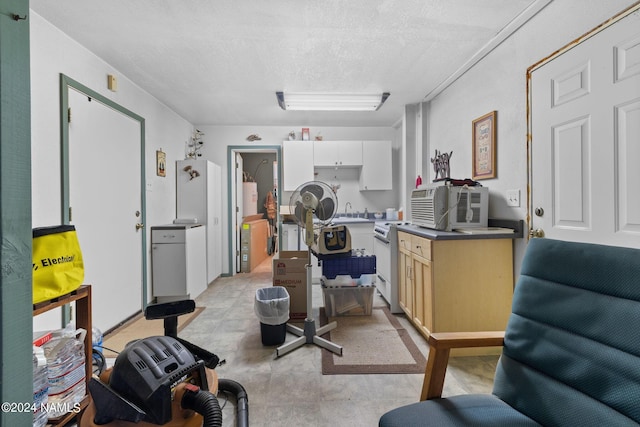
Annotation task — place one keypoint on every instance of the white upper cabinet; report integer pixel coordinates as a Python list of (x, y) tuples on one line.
[(337, 153), (371, 158), (297, 163), (376, 173)]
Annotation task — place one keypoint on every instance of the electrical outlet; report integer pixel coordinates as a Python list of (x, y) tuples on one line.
[(513, 198)]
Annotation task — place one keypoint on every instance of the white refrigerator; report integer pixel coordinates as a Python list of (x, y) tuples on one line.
[(199, 197)]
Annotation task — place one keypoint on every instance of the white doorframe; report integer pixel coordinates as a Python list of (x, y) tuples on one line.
[(238, 213), (232, 150)]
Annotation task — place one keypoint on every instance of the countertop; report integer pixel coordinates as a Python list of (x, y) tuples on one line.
[(352, 220), (339, 220), (516, 225)]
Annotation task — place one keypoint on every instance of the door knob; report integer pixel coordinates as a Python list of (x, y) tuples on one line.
[(139, 226), (537, 233)]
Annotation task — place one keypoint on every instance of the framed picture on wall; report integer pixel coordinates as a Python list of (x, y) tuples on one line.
[(484, 146), (161, 163)]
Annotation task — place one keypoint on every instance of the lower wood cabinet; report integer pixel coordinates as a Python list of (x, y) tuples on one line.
[(455, 285)]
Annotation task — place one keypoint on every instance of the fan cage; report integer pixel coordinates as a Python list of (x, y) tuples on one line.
[(323, 212)]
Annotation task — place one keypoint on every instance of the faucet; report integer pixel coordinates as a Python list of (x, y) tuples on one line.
[(345, 207)]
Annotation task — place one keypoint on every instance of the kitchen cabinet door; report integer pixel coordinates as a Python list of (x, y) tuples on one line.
[(350, 153), (377, 170), (337, 153), (405, 285), (423, 294), (297, 163)]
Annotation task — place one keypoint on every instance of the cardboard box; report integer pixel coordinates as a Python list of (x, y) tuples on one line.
[(289, 271)]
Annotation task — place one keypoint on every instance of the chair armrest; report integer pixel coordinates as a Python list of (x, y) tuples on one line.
[(440, 345)]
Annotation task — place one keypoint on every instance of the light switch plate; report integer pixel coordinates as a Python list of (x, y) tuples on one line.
[(513, 198)]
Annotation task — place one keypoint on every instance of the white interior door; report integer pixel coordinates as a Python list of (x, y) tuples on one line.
[(585, 130), (105, 199)]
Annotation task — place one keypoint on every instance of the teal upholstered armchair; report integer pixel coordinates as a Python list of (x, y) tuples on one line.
[(571, 354)]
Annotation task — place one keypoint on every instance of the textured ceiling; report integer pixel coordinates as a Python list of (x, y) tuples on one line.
[(221, 61)]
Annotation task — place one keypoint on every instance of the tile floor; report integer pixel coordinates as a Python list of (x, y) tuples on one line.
[(291, 390)]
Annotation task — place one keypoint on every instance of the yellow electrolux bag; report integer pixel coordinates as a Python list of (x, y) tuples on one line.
[(57, 262)]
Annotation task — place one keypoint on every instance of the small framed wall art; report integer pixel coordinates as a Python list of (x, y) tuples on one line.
[(484, 146), (161, 163)]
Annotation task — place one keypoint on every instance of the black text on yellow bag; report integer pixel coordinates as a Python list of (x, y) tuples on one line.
[(57, 262)]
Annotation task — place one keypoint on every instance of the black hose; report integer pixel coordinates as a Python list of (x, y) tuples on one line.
[(205, 404), (242, 400)]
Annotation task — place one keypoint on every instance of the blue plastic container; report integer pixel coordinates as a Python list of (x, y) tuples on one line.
[(354, 266)]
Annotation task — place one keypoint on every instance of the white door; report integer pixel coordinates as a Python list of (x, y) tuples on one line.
[(105, 197), (585, 146)]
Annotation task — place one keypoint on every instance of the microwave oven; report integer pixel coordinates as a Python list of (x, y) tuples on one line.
[(448, 207)]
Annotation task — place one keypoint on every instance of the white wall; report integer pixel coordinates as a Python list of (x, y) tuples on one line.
[(52, 53), (498, 82), (217, 138)]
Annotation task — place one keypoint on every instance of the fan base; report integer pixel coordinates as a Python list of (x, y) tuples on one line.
[(309, 335)]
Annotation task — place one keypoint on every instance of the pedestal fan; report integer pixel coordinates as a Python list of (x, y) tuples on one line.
[(313, 205)]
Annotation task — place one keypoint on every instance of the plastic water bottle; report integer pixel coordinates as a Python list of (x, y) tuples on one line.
[(96, 338), (66, 366), (40, 387)]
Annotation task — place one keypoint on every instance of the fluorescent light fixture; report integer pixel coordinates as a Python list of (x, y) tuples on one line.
[(331, 101)]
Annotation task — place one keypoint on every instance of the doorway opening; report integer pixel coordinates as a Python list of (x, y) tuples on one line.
[(254, 195)]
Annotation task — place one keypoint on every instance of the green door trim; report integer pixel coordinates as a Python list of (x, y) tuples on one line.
[(67, 83), (231, 150), (16, 300)]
